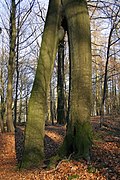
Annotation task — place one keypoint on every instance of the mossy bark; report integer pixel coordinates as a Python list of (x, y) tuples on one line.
[(34, 135), (78, 137)]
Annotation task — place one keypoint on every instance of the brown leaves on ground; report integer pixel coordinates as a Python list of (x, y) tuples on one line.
[(104, 163), (106, 150)]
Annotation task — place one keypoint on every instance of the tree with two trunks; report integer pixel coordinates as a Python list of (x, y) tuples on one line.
[(78, 137)]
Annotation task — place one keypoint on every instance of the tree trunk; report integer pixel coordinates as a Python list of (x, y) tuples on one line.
[(78, 137), (17, 68), (2, 113), (2, 94), (20, 105), (69, 93), (105, 78), (34, 135), (9, 122), (60, 84), (26, 105), (51, 105)]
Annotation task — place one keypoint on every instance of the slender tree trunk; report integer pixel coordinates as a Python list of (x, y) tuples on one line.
[(20, 104), (2, 112), (79, 133), (17, 70), (51, 105), (105, 78), (60, 84), (34, 135), (26, 105), (97, 92), (2, 94), (9, 122), (69, 93)]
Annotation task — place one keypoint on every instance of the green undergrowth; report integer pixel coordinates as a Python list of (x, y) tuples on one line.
[(97, 136), (91, 169), (53, 162), (74, 176)]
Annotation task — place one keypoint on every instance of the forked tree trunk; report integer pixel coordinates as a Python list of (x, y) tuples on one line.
[(78, 137), (34, 135)]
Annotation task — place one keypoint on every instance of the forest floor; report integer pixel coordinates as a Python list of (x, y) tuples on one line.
[(105, 155)]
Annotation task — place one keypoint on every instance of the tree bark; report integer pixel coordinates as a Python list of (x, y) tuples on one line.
[(60, 84), (9, 122), (79, 133), (34, 135), (2, 93), (17, 68), (105, 78)]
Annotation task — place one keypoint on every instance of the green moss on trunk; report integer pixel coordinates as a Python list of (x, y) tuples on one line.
[(78, 140), (78, 137), (37, 108)]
